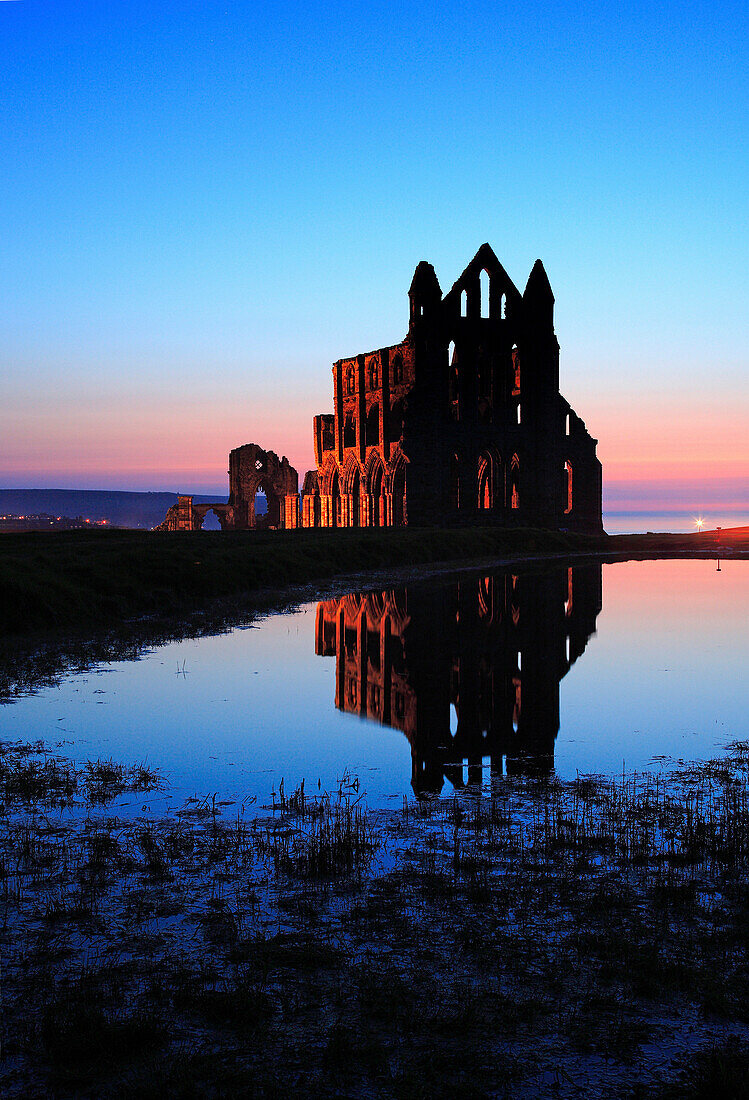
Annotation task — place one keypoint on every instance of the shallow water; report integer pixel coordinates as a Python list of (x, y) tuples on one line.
[(587, 669)]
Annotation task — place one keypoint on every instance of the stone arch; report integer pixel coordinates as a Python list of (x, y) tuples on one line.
[(374, 487), (485, 292), (330, 467), (222, 512), (351, 492), (311, 510), (514, 485), (490, 496), (252, 470), (330, 494), (335, 500), (397, 486)]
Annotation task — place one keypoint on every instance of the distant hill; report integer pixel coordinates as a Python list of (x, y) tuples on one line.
[(120, 509)]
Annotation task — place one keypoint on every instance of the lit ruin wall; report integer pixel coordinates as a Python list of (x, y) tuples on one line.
[(251, 470), (462, 423)]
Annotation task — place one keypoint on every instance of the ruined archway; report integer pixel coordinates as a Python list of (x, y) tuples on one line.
[(352, 491), (253, 470), (490, 496), (374, 488), (398, 490)]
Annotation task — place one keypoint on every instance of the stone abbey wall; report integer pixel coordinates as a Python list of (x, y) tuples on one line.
[(251, 470), (462, 422)]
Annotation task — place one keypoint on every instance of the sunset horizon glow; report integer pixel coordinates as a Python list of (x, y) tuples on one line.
[(205, 209)]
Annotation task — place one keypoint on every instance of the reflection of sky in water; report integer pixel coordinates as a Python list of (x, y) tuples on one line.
[(665, 674)]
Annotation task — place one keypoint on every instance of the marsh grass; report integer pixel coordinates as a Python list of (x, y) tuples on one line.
[(535, 935)]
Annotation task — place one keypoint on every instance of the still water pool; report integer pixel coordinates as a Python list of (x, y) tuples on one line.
[(586, 668)]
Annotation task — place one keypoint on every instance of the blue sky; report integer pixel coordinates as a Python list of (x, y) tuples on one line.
[(205, 204)]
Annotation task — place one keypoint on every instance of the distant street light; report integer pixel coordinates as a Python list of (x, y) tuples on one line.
[(699, 523)]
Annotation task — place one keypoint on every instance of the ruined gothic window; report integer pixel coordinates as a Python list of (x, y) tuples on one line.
[(349, 432), (484, 292), (516, 369), (486, 482), (503, 307), (567, 424), (463, 303), (373, 426), (515, 482), (568, 479), (350, 381), (396, 421), (397, 370), (374, 375), (453, 382), (518, 412), (454, 394)]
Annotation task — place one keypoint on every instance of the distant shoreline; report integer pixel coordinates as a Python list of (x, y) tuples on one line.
[(87, 579)]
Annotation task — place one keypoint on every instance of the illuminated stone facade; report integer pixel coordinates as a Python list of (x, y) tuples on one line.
[(251, 470), (462, 422)]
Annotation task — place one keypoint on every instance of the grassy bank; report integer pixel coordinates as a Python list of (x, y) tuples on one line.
[(79, 579), (82, 579), (537, 938)]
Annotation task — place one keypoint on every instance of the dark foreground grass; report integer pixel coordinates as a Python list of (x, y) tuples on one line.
[(71, 580), (77, 580), (538, 938)]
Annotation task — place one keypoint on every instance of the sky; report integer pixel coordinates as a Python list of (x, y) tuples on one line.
[(204, 205)]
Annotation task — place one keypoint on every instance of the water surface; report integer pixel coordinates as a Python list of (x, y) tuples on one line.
[(589, 668)]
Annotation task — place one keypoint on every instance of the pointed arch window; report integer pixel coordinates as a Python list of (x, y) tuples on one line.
[(515, 482), (350, 381), (568, 479), (516, 370), (373, 426), (487, 482), (484, 291), (453, 382)]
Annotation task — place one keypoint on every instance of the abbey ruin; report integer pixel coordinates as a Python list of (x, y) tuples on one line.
[(462, 423)]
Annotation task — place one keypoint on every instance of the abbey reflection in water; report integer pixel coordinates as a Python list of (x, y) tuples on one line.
[(469, 671)]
